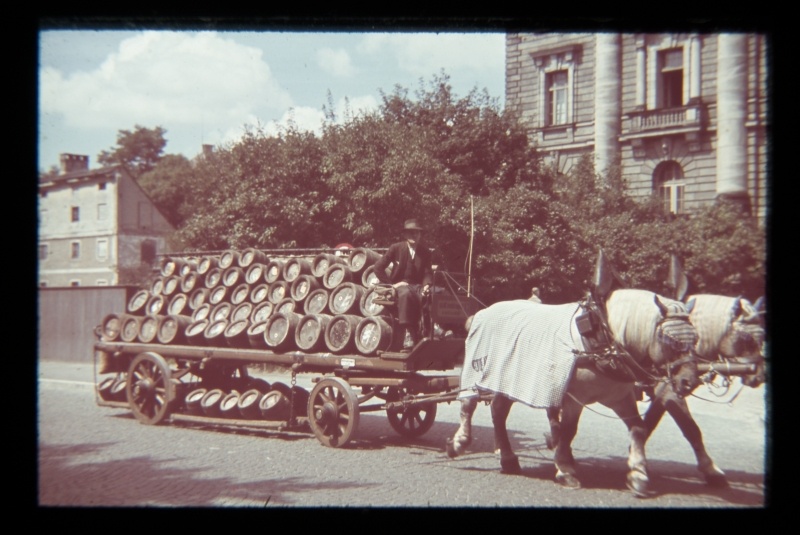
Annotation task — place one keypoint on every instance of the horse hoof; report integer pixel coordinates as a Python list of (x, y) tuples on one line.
[(451, 449), (639, 486), (548, 440), (568, 480), (510, 466)]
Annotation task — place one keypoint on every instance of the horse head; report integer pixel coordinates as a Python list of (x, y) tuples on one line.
[(652, 327), (731, 329)]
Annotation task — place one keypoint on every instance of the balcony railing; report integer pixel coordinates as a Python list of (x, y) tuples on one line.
[(668, 118)]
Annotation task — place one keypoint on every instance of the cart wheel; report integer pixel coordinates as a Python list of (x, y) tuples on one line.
[(149, 388), (333, 412), (412, 421)]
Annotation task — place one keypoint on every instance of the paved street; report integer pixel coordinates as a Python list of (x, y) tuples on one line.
[(100, 456)]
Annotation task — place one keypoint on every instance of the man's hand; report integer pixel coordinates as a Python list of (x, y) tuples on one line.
[(399, 284), (426, 289)]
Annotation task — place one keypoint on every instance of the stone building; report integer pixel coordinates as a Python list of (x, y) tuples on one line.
[(94, 225), (683, 115)]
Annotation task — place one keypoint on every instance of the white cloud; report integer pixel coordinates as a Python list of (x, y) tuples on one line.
[(423, 54), (167, 78), (335, 62)]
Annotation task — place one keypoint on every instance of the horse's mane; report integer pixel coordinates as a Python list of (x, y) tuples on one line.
[(633, 317), (712, 317)]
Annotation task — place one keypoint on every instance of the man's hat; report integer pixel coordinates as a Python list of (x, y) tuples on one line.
[(411, 224)]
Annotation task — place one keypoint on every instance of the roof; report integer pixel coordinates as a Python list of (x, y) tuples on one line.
[(76, 176)]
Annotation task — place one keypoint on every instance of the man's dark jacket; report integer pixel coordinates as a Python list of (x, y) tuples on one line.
[(416, 271)]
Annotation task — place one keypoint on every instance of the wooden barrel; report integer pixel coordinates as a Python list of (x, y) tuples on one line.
[(221, 311), (194, 332), (157, 286), (229, 405), (233, 276), (278, 291), (322, 262), (261, 312), (361, 258), (156, 304), (240, 294), (252, 256), (309, 336), (148, 328), (228, 259), (218, 295), (248, 404), (213, 278), (206, 263), (286, 305), (118, 389), (274, 405), (242, 311), (317, 302), (336, 275), (190, 281), (172, 329), (210, 402), (138, 302), (302, 286), (129, 328), (189, 267), (294, 267), (110, 327), (172, 266), (171, 285), (274, 270), (259, 293), (255, 273), (255, 334), (346, 299), (104, 388), (192, 401), (377, 333), (179, 304), (202, 312), (367, 306), (369, 278), (340, 335), (280, 330), (198, 297), (215, 333), (236, 333)]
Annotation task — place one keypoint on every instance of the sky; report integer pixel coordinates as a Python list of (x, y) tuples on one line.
[(209, 87)]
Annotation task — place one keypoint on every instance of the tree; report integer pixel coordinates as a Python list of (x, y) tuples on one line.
[(138, 151), (169, 184)]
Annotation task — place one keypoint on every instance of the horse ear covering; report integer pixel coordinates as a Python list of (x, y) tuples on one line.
[(690, 305), (760, 304), (737, 307), (661, 307)]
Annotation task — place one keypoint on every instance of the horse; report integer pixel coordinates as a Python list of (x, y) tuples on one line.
[(650, 333), (730, 329)]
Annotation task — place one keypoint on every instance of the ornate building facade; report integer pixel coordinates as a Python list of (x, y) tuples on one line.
[(684, 116)]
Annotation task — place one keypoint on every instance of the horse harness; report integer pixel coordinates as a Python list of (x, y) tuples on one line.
[(613, 361)]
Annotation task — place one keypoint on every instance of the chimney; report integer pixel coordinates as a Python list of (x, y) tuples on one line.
[(73, 162), (207, 149)]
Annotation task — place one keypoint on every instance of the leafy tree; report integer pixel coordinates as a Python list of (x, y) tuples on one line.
[(138, 150), (168, 184)]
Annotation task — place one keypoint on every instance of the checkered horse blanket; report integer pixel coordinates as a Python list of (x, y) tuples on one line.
[(522, 349)]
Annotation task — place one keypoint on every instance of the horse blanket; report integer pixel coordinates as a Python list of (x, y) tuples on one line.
[(522, 349)]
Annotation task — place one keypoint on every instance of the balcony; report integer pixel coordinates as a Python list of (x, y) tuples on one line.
[(690, 118)]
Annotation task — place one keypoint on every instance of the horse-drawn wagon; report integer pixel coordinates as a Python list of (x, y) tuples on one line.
[(188, 348)]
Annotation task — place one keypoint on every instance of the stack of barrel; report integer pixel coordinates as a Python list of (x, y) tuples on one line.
[(321, 303)]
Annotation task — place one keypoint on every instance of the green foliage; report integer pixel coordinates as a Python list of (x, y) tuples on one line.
[(168, 184), (138, 150)]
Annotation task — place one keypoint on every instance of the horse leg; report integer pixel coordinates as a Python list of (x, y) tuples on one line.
[(554, 417), (679, 410), (637, 479), (501, 406), (563, 431), (463, 437)]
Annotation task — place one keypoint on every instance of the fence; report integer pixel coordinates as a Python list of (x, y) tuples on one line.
[(67, 318)]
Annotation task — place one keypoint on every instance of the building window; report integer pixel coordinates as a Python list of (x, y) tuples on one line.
[(44, 251), (670, 63), (148, 251), (74, 283), (76, 213), (670, 186), (101, 185), (75, 250), (556, 84), (102, 211), (102, 249), (42, 284)]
